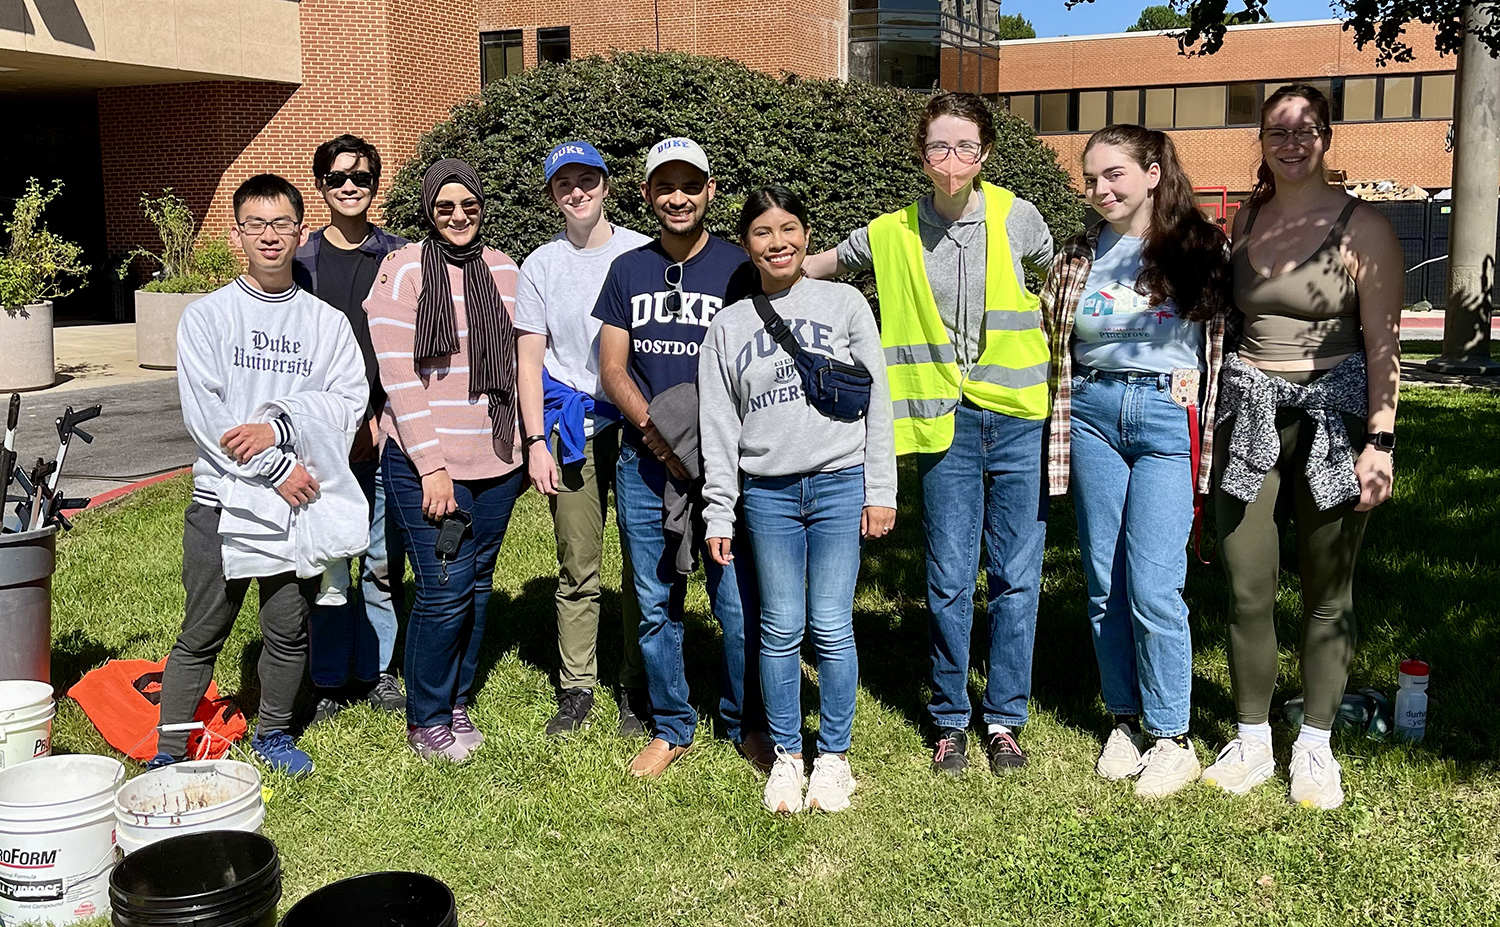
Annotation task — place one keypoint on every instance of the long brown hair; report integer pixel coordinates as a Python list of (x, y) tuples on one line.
[(1265, 181), (1183, 256), (968, 106)]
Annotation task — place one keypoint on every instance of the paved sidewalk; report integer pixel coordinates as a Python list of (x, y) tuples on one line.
[(95, 356)]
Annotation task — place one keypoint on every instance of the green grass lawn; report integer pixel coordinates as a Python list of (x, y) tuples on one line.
[(533, 833)]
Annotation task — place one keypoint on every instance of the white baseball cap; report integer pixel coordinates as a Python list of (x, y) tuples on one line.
[(676, 149)]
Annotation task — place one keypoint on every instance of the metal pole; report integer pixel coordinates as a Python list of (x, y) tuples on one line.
[(1471, 234)]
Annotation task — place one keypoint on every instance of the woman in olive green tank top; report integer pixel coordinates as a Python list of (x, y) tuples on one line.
[(1318, 281)]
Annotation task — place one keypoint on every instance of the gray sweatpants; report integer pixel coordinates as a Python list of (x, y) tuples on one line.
[(213, 603)]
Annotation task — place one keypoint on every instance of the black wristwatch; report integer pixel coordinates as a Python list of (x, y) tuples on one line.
[(532, 440), (1381, 440)]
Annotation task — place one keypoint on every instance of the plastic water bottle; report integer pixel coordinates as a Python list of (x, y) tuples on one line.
[(1411, 700)]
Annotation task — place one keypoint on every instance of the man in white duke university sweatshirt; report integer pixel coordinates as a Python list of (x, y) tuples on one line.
[(273, 388)]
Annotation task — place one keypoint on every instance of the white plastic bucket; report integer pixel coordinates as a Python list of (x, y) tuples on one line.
[(186, 798), (26, 712), (57, 846)]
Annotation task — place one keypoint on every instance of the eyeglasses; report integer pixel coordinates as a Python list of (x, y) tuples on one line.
[(445, 208), (1278, 137), (675, 298), (333, 180), (938, 152), (255, 226)]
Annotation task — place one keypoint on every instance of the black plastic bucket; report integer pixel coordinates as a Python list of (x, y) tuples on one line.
[(212, 879), (380, 899)]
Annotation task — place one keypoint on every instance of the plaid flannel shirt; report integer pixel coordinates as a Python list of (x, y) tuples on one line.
[(1060, 297)]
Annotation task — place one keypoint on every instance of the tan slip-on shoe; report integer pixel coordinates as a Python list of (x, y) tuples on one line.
[(759, 749), (655, 758)]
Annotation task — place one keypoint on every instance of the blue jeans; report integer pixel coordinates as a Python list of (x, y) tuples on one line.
[(357, 640), (987, 485), (1133, 494), (804, 530), (660, 591), (446, 626)]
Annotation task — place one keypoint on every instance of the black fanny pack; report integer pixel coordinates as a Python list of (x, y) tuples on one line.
[(838, 390)]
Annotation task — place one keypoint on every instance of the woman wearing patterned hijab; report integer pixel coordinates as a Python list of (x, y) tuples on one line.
[(440, 319)]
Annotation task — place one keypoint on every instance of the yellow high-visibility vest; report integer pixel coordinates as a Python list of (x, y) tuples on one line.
[(1010, 375)]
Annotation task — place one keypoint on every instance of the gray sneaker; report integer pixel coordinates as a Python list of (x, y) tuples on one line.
[(468, 736), (386, 694), (436, 743)]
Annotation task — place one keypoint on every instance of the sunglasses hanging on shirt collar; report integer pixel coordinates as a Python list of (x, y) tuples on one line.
[(675, 298)]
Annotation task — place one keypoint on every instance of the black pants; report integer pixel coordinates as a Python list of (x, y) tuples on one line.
[(213, 603)]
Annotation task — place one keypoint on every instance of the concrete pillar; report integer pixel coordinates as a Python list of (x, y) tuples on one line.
[(1471, 233)]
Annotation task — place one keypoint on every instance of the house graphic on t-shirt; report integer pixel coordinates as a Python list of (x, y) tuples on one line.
[(1099, 302)]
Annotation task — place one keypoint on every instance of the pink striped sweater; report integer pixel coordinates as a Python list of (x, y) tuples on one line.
[(430, 412)]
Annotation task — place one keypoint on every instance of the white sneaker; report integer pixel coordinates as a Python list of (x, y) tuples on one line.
[(831, 784), (783, 794), (1241, 766), (1166, 768), (1121, 757), (1316, 781)]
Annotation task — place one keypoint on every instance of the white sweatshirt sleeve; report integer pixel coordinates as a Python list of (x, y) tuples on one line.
[(200, 387), (880, 429), (718, 435)]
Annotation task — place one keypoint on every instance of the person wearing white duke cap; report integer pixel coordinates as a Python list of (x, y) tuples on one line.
[(572, 431), (656, 306)]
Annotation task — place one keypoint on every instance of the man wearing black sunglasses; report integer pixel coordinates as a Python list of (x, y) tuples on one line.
[(353, 644)]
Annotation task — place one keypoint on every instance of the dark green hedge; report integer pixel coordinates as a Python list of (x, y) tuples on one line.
[(845, 147)]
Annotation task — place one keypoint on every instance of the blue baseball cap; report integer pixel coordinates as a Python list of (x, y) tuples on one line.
[(573, 153)]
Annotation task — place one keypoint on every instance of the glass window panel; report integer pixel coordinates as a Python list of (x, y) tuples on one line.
[(1023, 107), (1093, 110), (1323, 84), (1127, 106), (1359, 99), (1400, 94), (1159, 108), (1053, 116), (913, 65), (1243, 104), (1200, 106), (554, 44), (500, 54), (1437, 96)]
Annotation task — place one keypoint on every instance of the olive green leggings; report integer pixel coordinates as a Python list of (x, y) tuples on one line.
[(1327, 546)]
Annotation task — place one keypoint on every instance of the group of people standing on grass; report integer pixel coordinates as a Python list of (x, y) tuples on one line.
[(747, 413)]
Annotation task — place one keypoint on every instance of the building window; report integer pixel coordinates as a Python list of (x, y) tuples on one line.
[(1359, 100), (1023, 107), (1243, 101), (1093, 110), (554, 44), (924, 44), (1053, 112), (1398, 97), (499, 54), (1200, 107), (1159, 108), (1437, 96), (1126, 105)]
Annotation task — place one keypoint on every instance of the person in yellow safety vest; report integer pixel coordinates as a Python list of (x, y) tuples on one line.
[(968, 362)]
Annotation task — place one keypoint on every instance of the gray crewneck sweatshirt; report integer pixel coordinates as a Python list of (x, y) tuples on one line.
[(753, 416), (954, 255)]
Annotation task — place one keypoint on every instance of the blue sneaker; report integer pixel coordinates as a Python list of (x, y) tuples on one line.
[(160, 760), (278, 751)]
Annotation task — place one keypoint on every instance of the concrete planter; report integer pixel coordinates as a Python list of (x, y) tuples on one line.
[(26, 358), (156, 318)]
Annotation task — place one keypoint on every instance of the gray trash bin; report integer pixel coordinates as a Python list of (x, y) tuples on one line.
[(27, 560)]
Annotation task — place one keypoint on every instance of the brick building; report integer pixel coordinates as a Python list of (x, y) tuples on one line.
[(119, 97)]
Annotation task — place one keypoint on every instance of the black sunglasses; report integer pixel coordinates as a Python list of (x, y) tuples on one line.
[(335, 180)]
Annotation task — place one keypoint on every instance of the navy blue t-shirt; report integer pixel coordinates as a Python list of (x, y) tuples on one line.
[(664, 347)]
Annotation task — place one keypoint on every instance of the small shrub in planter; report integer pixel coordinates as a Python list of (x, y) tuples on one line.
[(188, 269), (34, 270)]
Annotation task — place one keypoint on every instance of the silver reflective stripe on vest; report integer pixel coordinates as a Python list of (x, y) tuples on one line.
[(923, 408), (920, 354), (1010, 377), (999, 320)]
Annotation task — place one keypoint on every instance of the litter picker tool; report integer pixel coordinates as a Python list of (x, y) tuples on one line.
[(67, 427), (8, 454)]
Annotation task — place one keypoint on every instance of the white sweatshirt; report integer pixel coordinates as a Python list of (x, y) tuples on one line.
[(239, 348)]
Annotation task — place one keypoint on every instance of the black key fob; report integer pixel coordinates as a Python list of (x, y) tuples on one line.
[(451, 531)]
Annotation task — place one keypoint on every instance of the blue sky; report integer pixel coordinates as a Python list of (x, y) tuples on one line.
[(1052, 17)]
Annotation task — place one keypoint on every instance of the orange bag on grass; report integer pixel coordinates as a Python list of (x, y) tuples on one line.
[(123, 699)]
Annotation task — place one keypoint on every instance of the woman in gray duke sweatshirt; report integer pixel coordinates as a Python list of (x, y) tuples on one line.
[(813, 487)]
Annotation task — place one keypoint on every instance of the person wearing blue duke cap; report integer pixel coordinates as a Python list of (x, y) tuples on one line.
[(572, 433)]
